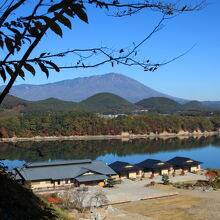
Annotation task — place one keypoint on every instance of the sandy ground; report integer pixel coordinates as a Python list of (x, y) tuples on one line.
[(130, 190), (136, 190), (189, 205)]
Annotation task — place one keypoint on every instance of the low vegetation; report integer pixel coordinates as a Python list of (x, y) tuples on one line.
[(212, 182), (165, 179), (78, 199)]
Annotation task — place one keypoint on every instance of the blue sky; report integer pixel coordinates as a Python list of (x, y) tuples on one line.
[(193, 76)]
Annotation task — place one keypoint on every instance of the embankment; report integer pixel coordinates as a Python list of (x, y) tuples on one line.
[(124, 135)]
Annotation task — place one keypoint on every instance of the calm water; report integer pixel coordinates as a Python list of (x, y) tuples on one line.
[(206, 150)]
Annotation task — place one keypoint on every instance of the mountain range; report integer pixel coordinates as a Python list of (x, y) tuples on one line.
[(106, 103), (81, 88), (77, 93)]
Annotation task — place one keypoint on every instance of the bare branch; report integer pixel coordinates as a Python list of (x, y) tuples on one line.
[(9, 11)]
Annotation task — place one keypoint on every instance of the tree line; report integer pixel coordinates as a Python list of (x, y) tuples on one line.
[(84, 123)]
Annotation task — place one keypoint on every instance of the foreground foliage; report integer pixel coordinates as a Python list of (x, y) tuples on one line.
[(17, 202)]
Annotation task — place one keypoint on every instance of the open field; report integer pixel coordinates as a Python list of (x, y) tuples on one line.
[(189, 205), (165, 209)]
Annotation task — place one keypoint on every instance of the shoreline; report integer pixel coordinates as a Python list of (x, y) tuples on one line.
[(125, 137)]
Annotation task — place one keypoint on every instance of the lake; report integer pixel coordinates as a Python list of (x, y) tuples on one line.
[(204, 149)]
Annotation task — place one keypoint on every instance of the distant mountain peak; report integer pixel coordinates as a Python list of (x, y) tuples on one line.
[(80, 88)]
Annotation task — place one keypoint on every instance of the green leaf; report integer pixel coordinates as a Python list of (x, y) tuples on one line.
[(10, 71), (2, 73), (53, 26), (69, 12), (19, 71), (44, 69), (33, 31), (53, 65), (14, 30), (78, 10), (18, 40), (9, 44), (56, 7), (62, 19), (29, 68), (42, 55)]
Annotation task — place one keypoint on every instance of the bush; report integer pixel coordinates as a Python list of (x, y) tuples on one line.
[(165, 179), (211, 175), (112, 181)]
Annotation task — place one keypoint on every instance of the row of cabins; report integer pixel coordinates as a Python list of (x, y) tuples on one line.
[(76, 172), (151, 167)]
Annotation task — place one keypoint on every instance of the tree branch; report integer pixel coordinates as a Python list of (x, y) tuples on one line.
[(9, 11)]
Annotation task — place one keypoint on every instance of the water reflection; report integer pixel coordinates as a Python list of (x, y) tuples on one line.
[(133, 151)]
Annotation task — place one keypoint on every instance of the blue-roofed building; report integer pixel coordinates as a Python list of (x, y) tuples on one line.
[(64, 173), (185, 164), (155, 167), (126, 170)]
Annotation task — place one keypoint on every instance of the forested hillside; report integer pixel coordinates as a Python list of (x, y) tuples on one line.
[(101, 103), (106, 103), (84, 123), (169, 106)]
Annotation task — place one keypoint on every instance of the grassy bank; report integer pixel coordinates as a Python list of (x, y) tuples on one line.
[(20, 203)]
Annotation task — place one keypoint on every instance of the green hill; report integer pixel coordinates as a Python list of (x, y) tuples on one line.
[(50, 104), (195, 105), (12, 101), (165, 105), (101, 102), (107, 103), (12, 104), (160, 105)]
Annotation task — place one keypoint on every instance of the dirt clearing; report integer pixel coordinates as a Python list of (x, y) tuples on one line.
[(189, 205)]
